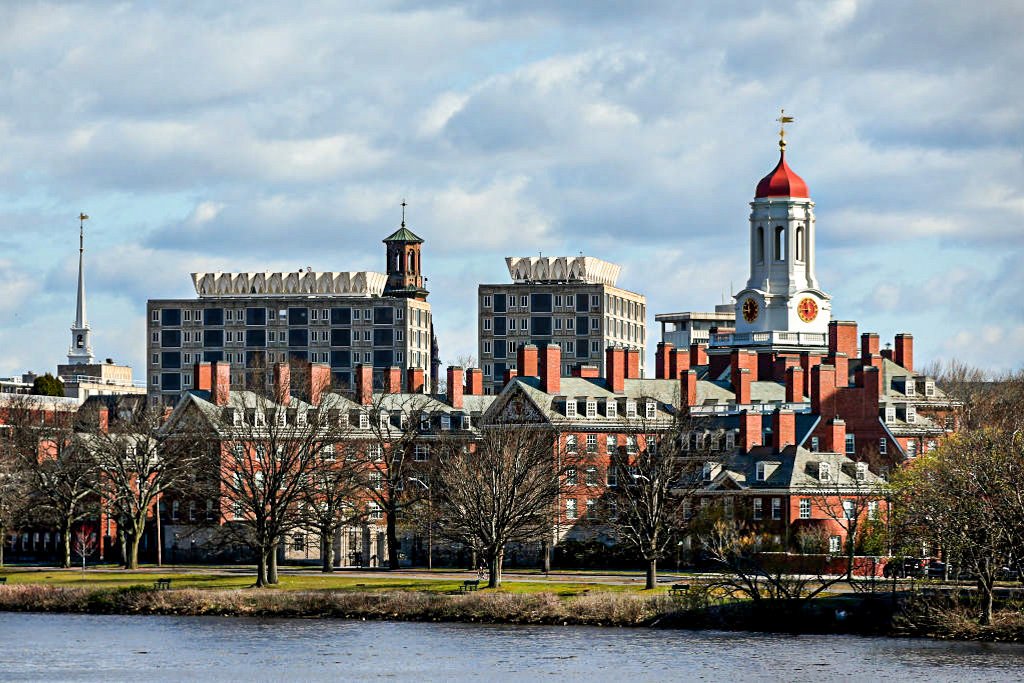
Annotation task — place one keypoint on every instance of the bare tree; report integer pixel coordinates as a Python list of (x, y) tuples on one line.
[(13, 493), (330, 500), (501, 491), (85, 544)]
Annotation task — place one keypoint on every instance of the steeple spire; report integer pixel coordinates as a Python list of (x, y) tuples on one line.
[(81, 350)]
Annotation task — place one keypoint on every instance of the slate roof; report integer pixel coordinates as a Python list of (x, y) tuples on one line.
[(795, 469)]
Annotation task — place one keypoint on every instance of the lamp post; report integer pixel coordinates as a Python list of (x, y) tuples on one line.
[(430, 522)]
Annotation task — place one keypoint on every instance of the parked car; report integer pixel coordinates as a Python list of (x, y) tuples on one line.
[(903, 567)]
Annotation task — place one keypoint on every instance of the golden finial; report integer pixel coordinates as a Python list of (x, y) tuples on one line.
[(783, 120)]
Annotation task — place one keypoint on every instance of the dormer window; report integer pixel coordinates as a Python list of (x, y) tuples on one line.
[(630, 408), (611, 407), (908, 387), (890, 413), (570, 407), (911, 413), (824, 471), (762, 471), (467, 422), (446, 422), (591, 408), (929, 388), (425, 424), (861, 471), (364, 420), (730, 440), (384, 421), (649, 409)]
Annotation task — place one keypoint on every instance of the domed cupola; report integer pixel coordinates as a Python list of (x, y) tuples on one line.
[(782, 182)]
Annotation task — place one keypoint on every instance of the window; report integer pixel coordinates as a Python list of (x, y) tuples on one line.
[(780, 243), (611, 407), (800, 243), (760, 244), (611, 443), (570, 476), (591, 443), (487, 324), (374, 452), (154, 315), (374, 511), (570, 508), (758, 511), (762, 469), (848, 509), (591, 508), (487, 301), (524, 301), (851, 444), (861, 471), (805, 508), (376, 480), (873, 510), (776, 508), (835, 544), (929, 446), (595, 300), (487, 346), (421, 453), (911, 449), (911, 413), (327, 453), (467, 422), (708, 471), (728, 510), (174, 504), (591, 408), (631, 444), (815, 444), (909, 388), (824, 471), (446, 422), (591, 476), (649, 410), (883, 446), (570, 444), (929, 388), (612, 476), (570, 407), (730, 440), (630, 408)]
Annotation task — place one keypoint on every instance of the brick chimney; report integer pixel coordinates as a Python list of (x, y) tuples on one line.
[(364, 384), (742, 358), (783, 429), (474, 382), (455, 387), (663, 358), (870, 378), (751, 435), (551, 369), (632, 363), (202, 377), (688, 388), (527, 361), (807, 362), (741, 385), (586, 371), (795, 384), (842, 337), (869, 345), (698, 354), (393, 380), (282, 384), (679, 362), (414, 380), (319, 382), (509, 374), (841, 362), (903, 351), (835, 436), (615, 369), (220, 386), (823, 391)]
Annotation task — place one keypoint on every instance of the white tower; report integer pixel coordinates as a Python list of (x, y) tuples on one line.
[(782, 293), (80, 352)]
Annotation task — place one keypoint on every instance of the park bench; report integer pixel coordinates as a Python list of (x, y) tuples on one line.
[(162, 584), (469, 586), (679, 589)]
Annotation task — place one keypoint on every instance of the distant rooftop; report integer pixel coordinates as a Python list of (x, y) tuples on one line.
[(562, 269), (364, 282)]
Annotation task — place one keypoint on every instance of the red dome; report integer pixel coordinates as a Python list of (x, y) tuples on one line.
[(782, 182)]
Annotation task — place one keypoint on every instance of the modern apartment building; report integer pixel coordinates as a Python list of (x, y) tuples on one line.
[(254, 320), (572, 301)]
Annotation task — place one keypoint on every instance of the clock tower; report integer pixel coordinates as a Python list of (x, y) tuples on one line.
[(782, 293)]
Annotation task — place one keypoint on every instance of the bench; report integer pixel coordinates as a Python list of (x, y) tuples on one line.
[(469, 586), (679, 589), (162, 584)]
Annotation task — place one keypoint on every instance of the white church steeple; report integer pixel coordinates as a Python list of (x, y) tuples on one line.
[(782, 293), (80, 352)]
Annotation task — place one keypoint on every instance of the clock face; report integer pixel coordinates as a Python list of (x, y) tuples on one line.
[(750, 310), (807, 309)]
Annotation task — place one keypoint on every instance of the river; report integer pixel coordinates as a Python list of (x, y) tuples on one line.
[(152, 648)]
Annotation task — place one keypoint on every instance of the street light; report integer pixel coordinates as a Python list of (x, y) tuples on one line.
[(430, 523)]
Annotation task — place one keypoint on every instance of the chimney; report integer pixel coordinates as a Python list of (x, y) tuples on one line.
[(586, 371), (663, 358), (282, 384), (393, 380), (781, 366), (509, 374), (823, 391), (615, 369), (103, 419), (903, 354), (688, 388), (795, 385), (679, 362), (202, 377), (414, 380), (869, 345), (751, 435), (807, 362), (742, 358), (364, 384), (698, 354), (741, 385), (633, 363), (551, 369), (841, 362), (835, 436), (886, 354), (220, 385), (319, 382), (455, 388), (475, 382), (842, 337), (870, 377), (527, 363), (783, 429)]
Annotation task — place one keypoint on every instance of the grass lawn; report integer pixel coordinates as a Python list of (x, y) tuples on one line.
[(117, 578)]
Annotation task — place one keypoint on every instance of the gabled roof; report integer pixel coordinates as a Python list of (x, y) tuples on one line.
[(795, 468), (403, 234)]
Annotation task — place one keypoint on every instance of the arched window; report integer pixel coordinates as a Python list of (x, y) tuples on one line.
[(397, 266), (412, 261), (78, 342), (760, 245), (780, 243), (800, 243)]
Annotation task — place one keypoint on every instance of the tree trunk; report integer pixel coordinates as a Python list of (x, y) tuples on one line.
[(327, 552), (132, 560), (495, 559), (66, 531), (122, 542), (3, 539), (987, 598), (272, 578), (261, 569), (652, 574), (545, 556), (392, 538)]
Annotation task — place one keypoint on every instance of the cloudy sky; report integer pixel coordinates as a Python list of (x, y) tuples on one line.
[(240, 136)]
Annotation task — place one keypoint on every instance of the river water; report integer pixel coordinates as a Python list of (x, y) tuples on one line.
[(104, 648)]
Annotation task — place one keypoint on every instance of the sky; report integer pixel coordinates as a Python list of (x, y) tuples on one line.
[(242, 136)]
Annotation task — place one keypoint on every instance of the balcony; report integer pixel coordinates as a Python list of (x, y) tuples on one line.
[(772, 338)]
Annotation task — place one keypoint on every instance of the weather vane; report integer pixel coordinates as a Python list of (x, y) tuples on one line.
[(783, 120), (403, 213)]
